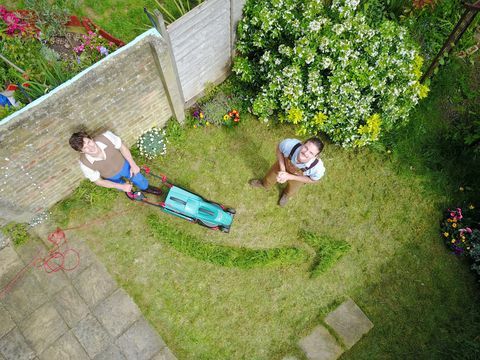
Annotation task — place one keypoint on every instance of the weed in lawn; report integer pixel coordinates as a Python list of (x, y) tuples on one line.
[(17, 233)]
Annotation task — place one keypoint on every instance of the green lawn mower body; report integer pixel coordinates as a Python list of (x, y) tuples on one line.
[(189, 206)]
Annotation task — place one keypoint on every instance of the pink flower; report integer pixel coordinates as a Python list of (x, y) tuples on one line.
[(468, 230)]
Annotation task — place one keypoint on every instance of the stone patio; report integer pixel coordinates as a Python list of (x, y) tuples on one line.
[(79, 314)]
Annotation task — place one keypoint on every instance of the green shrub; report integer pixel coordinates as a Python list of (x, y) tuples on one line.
[(475, 251), (323, 68), (17, 232), (152, 143), (432, 25)]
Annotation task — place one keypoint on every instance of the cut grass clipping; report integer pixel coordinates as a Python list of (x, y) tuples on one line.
[(328, 251), (223, 255)]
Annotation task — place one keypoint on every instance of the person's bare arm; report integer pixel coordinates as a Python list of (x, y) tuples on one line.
[(284, 176), (134, 169), (113, 185)]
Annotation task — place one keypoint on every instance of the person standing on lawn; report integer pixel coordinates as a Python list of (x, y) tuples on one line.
[(297, 164), (107, 162)]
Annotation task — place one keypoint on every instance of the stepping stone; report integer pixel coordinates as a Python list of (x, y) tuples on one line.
[(117, 312), (349, 322), (65, 348), (140, 341), (94, 284), (13, 346), (43, 327), (92, 336), (320, 345)]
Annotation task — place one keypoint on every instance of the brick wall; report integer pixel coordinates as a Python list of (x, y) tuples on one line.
[(139, 86), (124, 92)]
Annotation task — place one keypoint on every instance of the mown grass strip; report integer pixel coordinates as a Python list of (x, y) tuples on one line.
[(223, 255), (328, 251)]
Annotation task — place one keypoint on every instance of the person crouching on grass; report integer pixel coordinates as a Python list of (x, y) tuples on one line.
[(297, 164), (106, 161)]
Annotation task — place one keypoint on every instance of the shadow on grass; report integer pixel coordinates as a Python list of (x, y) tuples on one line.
[(433, 143), (250, 154), (428, 309)]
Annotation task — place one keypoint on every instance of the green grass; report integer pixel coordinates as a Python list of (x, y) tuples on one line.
[(124, 19), (397, 268), (328, 251), (229, 256)]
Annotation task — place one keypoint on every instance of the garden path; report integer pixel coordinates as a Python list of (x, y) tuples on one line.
[(78, 314)]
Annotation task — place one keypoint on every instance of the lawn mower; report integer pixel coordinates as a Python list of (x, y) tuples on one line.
[(187, 205)]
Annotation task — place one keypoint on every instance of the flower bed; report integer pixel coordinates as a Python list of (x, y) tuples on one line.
[(461, 233), (35, 58)]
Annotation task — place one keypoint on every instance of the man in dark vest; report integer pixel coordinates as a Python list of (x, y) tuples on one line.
[(297, 164), (107, 162)]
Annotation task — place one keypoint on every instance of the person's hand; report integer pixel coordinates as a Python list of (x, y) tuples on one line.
[(134, 170), (283, 177), (126, 187)]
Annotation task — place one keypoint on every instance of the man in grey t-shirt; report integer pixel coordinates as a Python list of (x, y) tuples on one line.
[(297, 164)]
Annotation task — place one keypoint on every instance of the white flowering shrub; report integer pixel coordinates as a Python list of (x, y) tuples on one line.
[(323, 68), (152, 143)]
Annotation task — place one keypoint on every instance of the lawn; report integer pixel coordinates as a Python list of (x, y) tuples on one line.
[(420, 298)]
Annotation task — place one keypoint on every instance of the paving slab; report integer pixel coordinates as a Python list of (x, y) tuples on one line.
[(140, 341), (111, 353), (349, 322), (70, 305), (32, 249), (164, 354), (14, 347), (320, 345), (65, 348), (93, 337), (87, 258), (117, 312), (94, 284), (35, 249), (6, 322), (24, 297), (290, 357), (10, 265), (43, 327)]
